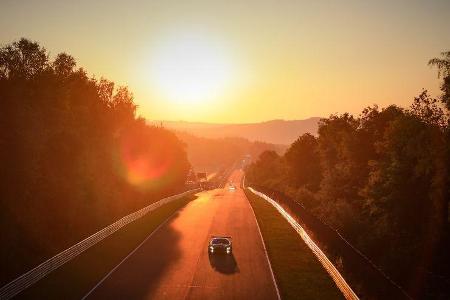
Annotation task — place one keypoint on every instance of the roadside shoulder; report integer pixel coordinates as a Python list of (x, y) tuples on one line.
[(296, 269)]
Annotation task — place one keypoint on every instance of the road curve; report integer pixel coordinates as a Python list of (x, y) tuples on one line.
[(173, 262)]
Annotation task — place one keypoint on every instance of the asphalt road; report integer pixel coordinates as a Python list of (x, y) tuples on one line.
[(173, 263)]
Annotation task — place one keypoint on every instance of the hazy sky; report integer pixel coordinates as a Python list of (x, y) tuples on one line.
[(244, 61)]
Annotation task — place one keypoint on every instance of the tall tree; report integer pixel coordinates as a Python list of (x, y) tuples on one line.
[(443, 65), (303, 162)]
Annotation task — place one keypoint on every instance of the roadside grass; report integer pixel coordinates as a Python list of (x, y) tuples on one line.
[(298, 273), (77, 277)]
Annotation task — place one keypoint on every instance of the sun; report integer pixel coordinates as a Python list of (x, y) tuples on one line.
[(190, 68)]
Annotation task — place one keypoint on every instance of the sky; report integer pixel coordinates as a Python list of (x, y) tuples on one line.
[(245, 61)]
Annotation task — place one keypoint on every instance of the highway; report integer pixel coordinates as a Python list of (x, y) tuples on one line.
[(173, 262)]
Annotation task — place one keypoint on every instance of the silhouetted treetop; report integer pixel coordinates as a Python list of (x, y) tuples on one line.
[(64, 64), (443, 65), (22, 59)]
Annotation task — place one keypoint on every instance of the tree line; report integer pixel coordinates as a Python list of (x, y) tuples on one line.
[(382, 180), (213, 154), (74, 156)]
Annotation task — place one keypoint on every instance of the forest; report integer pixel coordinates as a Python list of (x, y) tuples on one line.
[(74, 156), (381, 179)]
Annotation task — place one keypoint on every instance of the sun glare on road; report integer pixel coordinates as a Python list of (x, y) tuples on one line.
[(190, 68)]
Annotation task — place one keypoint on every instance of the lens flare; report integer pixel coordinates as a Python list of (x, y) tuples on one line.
[(144, 163), (142, 169)]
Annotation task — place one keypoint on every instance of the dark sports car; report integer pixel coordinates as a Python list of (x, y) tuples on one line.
[(220, 244)]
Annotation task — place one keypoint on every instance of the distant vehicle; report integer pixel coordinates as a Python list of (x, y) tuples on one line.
[(232, 187), (220, 244), (202, 176)]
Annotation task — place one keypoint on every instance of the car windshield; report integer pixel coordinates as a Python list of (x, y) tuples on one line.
[(220, 241)]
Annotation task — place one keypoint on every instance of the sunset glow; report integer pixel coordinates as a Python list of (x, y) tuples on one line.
[(139, 170), (246, 61), (190, 69), (153, 146), (143, 162)]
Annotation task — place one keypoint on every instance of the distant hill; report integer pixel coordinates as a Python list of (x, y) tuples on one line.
[(210, 155), (274, 131)]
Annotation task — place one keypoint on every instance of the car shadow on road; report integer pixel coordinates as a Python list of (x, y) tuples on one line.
[(139, 275), (223, 263)]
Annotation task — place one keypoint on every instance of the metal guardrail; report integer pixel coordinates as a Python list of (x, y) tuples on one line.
[(397, 292), (34, 275), (326, 263)]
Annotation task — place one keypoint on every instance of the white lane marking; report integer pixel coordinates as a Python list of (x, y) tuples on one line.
[(188, 286), (265, 250), (129, 254)]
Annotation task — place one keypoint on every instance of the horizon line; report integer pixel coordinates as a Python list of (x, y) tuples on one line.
[(230, 123)]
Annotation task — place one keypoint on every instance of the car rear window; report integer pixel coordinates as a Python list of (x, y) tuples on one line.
[(220, 241)]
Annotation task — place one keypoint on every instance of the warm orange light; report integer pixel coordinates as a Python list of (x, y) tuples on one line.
[(143, 162), (140, 169)]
